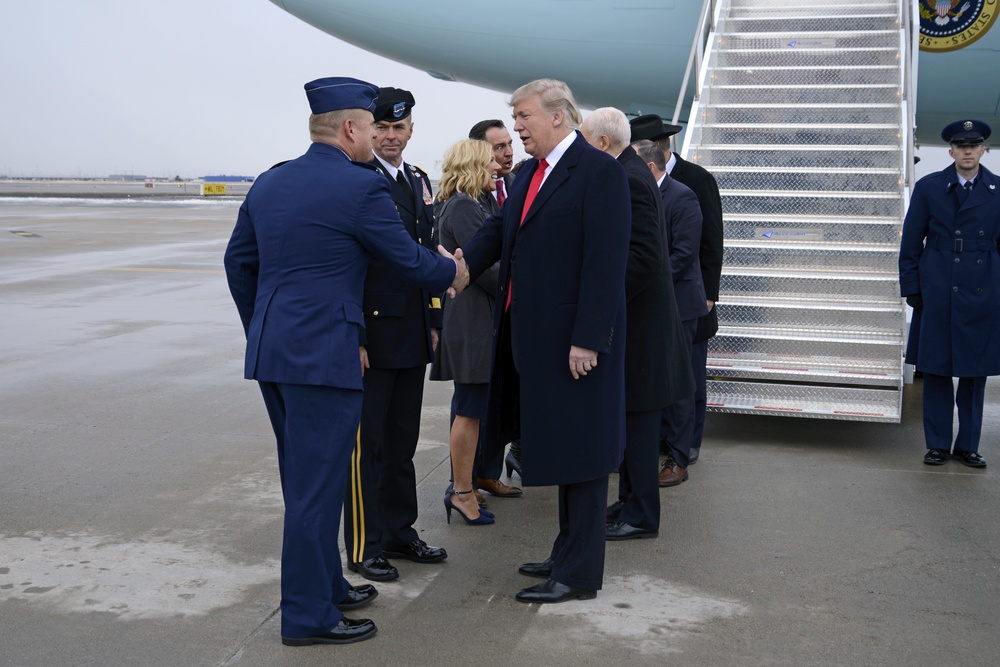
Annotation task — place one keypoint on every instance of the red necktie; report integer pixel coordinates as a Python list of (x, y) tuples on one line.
[(501, 196), (536, 183)]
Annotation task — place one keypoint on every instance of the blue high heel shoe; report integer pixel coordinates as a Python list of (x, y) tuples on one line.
[(451, 489), (484, 519)]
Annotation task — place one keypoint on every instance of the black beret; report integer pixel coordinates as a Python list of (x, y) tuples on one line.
[(393, 104)]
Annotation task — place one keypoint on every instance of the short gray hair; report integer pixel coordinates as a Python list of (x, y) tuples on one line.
[(611, 123), (328, 124), (651, 152), (554, 96)]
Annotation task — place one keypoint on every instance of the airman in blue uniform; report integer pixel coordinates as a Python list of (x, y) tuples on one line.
[(949, 272), (296, 267)]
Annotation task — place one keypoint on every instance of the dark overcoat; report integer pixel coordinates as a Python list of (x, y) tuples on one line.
[(948, 255), (683, 215), (297, 281), (466, 345), (399, 314), (657, 363), (710, 252), (566, 267)]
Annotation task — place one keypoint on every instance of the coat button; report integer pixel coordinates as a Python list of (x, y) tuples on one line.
[(375, 313), (979, 261), (954, 289), (979, 290), (981, 233), (957, 260), (958, 232)]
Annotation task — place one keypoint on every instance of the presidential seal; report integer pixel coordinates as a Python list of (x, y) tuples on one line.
[(948, 25)]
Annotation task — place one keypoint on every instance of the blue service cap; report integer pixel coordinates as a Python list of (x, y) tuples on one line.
[(966, 132), (341, 92), (393, 104)]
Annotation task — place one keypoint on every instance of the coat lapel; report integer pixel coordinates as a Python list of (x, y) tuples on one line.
[(984, 190), (558, 176)]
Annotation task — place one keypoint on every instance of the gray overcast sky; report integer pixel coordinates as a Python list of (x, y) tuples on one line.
[(192, 88), (189, 88)]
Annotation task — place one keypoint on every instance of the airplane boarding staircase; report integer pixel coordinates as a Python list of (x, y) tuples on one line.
[(803, 118)]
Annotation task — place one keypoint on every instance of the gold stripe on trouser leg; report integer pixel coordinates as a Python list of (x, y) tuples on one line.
[(357, 503)]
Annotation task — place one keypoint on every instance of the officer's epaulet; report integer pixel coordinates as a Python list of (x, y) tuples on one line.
[(417, 170), (369, 165)]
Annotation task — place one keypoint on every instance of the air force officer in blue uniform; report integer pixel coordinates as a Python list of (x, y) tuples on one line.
[(296, 267), (949, 272)]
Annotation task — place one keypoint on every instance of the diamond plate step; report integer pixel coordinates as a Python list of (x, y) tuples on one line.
[(868, 204), (877, 405), (792, 230), (737, 282), (800, 114), (847, 10), (809, 24), (800, 94), (849, 318), (816, 57), (800, 135), (845, 180), (797, 157)]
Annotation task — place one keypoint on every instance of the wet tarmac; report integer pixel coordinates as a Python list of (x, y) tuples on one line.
[(140, 512)]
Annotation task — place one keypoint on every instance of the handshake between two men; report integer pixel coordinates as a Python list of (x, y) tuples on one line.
[(461, 280)]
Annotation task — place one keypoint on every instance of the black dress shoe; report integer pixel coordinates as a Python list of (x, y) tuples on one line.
[(623, 531), (971, 459), (550, 591), (375, 569), (346, 632), (418, 552), (615, 511), (542, 570), (936, 457), (357, 597)]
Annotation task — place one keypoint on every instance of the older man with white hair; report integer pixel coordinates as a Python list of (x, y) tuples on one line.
[(657, 368)]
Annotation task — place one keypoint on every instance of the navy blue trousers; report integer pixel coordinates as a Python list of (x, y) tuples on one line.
[(578, 550), (940, 400), (699, 362), (678, 425), (316, 429)]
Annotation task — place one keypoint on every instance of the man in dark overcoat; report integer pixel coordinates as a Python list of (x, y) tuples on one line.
[(710, 255), (296, 264), (402, 320), (683, 217), (949, 272), (559, 349), (657, 366)]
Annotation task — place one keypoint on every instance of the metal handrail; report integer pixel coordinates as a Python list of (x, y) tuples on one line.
[(910, 18), (706, 24)]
